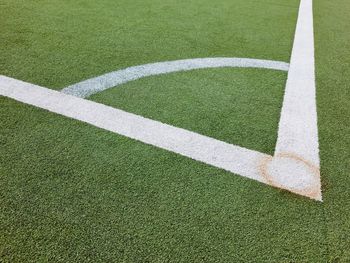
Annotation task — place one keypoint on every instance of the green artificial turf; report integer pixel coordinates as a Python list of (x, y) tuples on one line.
[(239, 106), (70, 192), (60, 42)]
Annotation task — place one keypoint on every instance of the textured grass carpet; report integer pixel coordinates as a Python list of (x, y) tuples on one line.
[(239, 106), (57, 43), (70, 192)]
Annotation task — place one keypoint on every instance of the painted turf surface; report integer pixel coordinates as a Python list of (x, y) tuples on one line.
[(77, 192)]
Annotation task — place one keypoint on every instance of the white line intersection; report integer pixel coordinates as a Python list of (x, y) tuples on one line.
[(295, 164)]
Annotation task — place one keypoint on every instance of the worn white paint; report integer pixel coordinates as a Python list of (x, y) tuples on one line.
[(295, 164), (294, 173), (88, 87)]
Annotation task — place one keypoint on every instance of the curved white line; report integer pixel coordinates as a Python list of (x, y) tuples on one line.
[(94, 85)]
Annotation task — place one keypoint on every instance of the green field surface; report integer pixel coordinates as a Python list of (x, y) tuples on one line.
[(70, 192), (239, 106), (58, 43)]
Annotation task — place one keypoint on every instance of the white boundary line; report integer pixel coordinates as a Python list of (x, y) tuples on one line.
[(198, 147), (298, 123), (90, 86)]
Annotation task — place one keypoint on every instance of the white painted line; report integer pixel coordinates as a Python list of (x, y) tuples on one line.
[(198, 147), (298, 133), (298, 124), (88, 87)]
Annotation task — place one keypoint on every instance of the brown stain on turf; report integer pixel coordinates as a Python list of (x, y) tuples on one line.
[(312, 191)]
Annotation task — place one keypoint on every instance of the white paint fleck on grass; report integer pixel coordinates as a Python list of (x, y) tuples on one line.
[(94, 85)]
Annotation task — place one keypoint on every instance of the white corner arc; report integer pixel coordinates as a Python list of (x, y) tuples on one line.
[(94, 85)]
